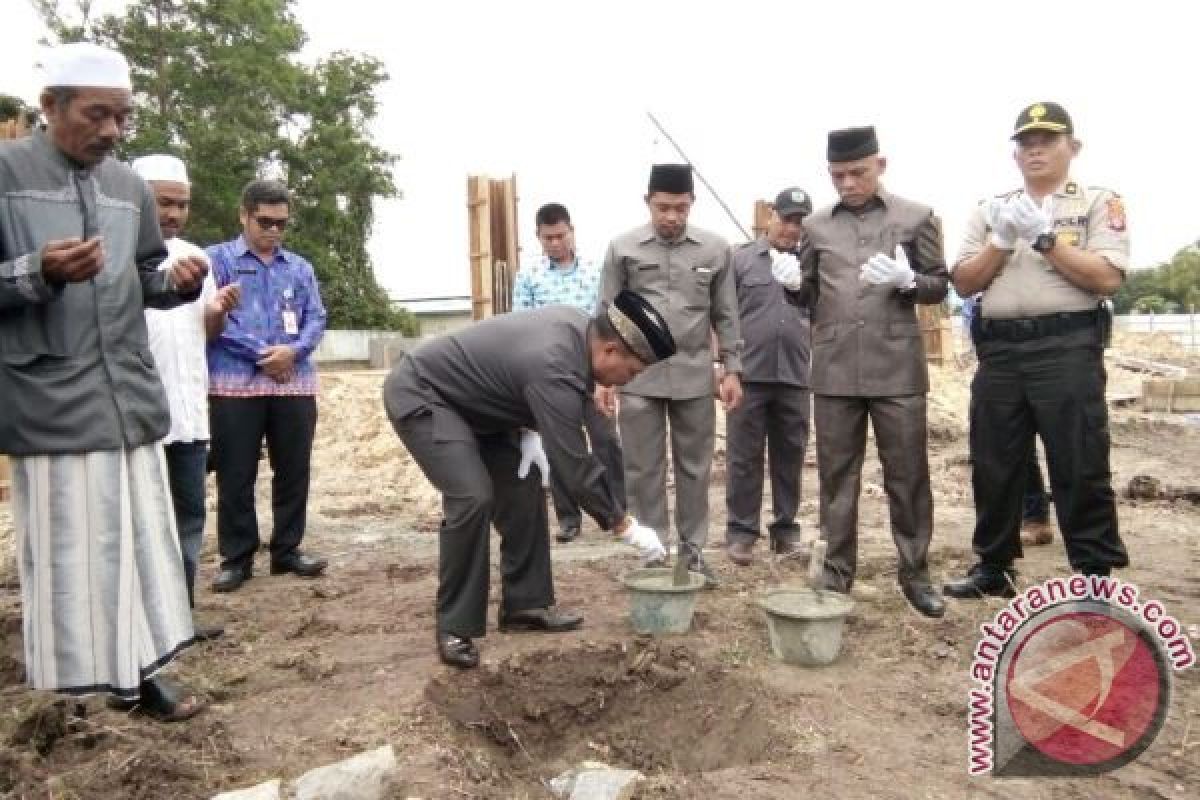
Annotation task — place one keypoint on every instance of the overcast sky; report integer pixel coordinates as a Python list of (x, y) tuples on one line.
[(557, 92)]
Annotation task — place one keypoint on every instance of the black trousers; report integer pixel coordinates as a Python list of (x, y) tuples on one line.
[(239, 425), (479, 486), (1052, 387), (1035, 505), (602, 436), (772, 419)]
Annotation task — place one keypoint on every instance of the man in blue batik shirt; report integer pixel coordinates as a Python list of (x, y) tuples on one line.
[(263, 383), (561, 278)]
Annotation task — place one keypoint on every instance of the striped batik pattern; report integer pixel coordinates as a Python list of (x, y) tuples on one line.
[(104, 598)]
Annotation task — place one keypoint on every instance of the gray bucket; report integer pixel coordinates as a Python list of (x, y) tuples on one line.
[(656, 604), (806, 626)]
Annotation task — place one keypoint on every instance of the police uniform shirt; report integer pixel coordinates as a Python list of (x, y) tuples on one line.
[(690, 281), (1027, 285), (527, 370)]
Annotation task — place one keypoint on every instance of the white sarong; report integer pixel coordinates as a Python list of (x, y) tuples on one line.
[(104, 598)]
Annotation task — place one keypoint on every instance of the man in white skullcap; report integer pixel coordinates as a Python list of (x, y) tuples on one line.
[(103, 594), (177, 341)]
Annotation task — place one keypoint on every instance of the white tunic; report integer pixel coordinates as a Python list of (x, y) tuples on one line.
[(177, 340)]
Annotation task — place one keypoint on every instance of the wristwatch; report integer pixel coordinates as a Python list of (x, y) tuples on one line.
[(1045, 242)]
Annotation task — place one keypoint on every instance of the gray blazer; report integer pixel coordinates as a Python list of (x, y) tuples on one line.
[(866, 341), (76, 374)]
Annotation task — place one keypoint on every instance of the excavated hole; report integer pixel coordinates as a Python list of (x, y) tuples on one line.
[(648, 705)]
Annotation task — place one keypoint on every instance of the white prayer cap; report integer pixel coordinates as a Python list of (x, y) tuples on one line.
[(86, 64), (161, 167)]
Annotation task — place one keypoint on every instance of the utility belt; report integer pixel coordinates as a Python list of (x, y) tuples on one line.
[(1026, 329)]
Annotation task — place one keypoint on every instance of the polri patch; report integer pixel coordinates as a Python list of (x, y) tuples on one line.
[(1115, 208)]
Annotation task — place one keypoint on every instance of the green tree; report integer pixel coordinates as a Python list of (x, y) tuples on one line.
[(1168, 288), (220, 84)]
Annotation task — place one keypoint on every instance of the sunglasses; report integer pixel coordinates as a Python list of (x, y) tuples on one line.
[(267, 223)]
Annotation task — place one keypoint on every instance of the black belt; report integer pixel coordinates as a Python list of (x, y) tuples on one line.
[(1025, 328)]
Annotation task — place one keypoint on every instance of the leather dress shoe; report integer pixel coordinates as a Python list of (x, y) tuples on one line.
[(925, 599), (457, 651), (787, 548), (545, 620), (983, 580), (230, 579), (741, 552), (298, 563), (565, 535)]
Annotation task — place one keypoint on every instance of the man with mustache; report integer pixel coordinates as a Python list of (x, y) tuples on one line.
[(104, 599), (263, 384), (775, 408), (1044, 257), (874, 256)]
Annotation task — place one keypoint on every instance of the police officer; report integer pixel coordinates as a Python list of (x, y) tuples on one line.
[(1044, 256), (775, 399), (874, 256)]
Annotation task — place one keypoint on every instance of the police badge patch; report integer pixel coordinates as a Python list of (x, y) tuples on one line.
[(1116, 214)]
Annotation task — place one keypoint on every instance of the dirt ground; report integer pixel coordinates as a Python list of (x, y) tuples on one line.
[(314, 671)]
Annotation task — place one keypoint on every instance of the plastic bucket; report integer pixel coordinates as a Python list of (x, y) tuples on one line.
[(806, 626), (656, 604)]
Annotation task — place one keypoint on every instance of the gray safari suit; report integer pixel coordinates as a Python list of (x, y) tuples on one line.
[(868, 360), (774, 413), (690, 281)]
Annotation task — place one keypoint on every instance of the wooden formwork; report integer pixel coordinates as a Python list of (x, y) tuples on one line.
[(762, 213), (494, 248), (937, 334), (1171, 394)]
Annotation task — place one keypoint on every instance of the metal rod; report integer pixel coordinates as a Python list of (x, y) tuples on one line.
[(703, 180)]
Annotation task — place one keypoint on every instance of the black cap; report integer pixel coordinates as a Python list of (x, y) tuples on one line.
[(793, 201), (1043, 117), (641, 327), (671, 178), (851, 144)]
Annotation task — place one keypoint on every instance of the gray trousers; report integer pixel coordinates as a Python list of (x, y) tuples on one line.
[(900, 436), (602, 436), (479, 486), (643, 422), (772, 417)]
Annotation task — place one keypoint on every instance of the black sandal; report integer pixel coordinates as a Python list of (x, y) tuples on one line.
[(164, 700)]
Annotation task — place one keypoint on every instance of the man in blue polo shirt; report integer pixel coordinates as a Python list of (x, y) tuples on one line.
[(263, 384), (562, 278)]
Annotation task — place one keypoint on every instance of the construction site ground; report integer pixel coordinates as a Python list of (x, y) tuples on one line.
[(313, 671)]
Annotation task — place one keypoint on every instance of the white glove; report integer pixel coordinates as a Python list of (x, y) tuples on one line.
[(1031, 220), (786, 269), (998, 215), (644, 539), (532, 453), (881, 270)]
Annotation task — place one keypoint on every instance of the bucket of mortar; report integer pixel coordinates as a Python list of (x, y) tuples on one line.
[(657, 604), (805, 626)]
